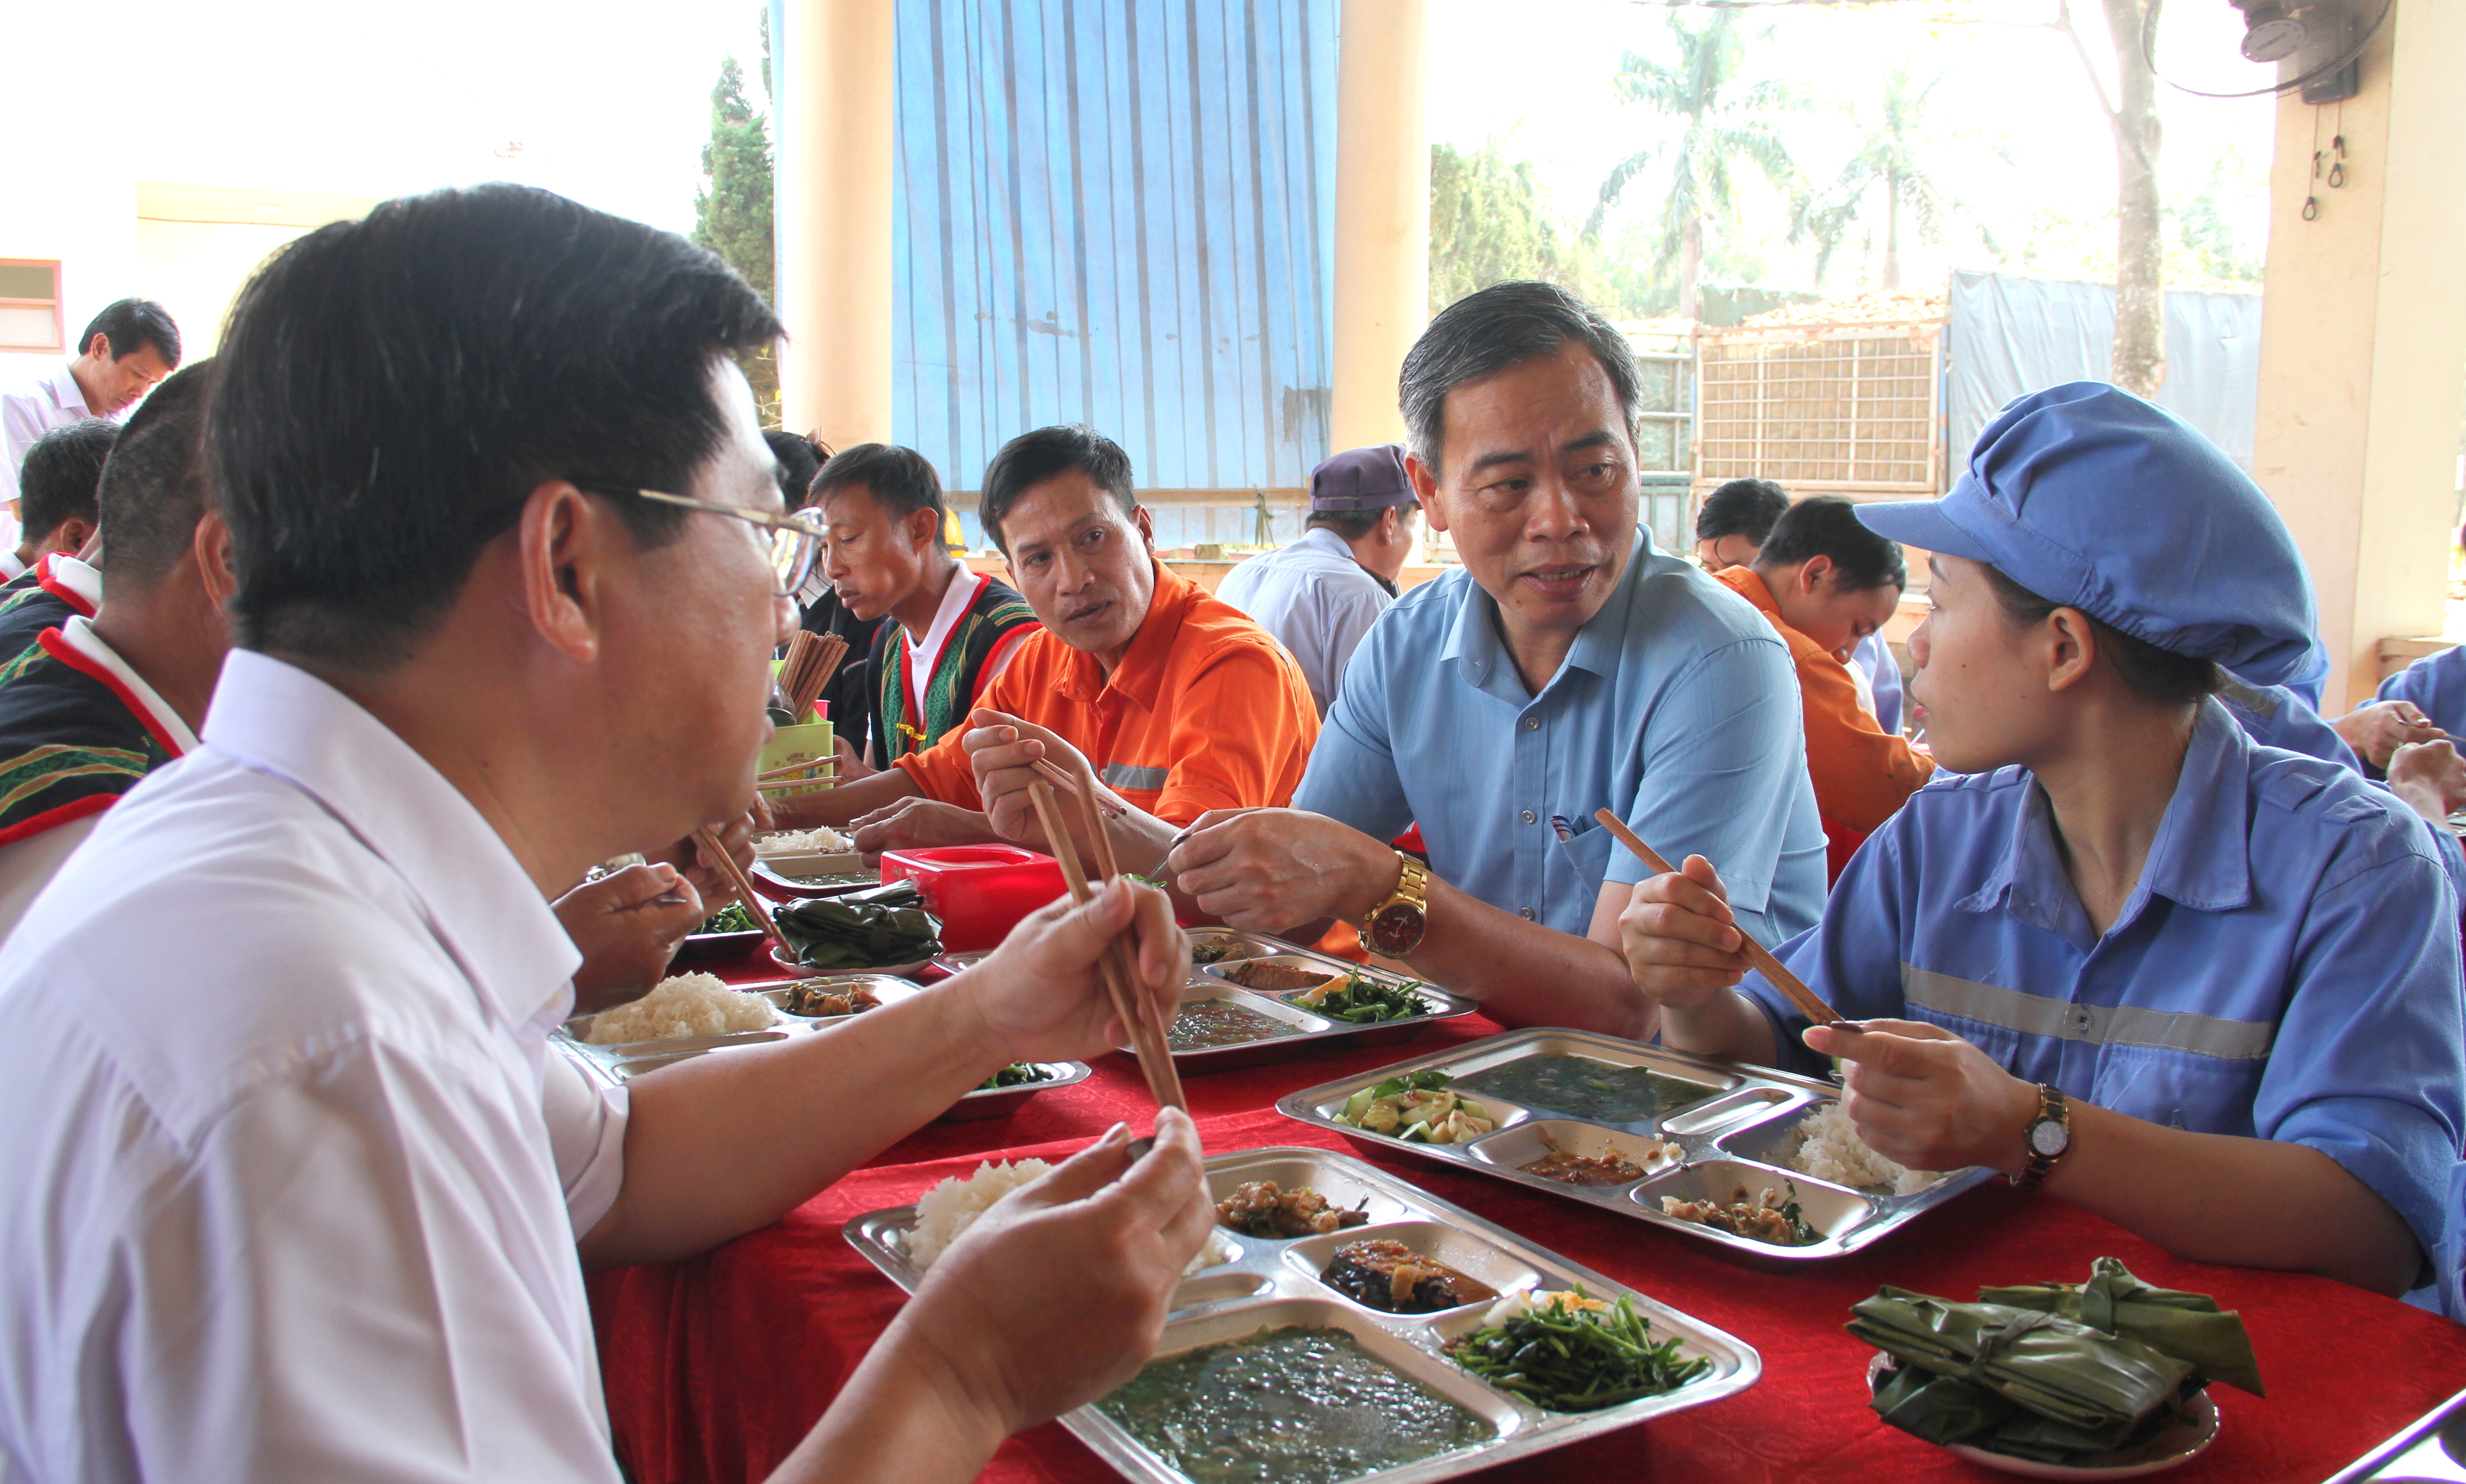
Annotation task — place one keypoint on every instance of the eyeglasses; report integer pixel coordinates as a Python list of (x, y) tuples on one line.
[(795, 537)]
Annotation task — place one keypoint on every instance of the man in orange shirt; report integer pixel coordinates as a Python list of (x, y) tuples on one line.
[(1825, 582), (1180, 702)]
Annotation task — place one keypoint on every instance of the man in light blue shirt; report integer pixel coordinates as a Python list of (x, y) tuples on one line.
[(1320, 595), (1567, 667)]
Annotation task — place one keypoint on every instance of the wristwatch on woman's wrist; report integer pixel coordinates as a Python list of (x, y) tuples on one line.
[(2048, 1138), (1395, 926)]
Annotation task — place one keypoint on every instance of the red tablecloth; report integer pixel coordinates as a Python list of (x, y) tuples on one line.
[(716, 1367)]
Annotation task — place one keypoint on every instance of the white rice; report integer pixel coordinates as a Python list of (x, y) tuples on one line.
[(690, 1004), (1830, 1149), (801, 842), (956, 1205)]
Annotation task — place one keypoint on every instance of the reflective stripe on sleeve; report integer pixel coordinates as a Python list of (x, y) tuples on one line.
[(1131, 775), (2117, 1025)]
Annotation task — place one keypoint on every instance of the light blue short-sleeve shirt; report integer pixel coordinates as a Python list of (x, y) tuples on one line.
[(2437, 685), (2286, 968), (1678, 707)]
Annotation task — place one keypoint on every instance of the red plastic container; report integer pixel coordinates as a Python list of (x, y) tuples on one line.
[(980, 892)]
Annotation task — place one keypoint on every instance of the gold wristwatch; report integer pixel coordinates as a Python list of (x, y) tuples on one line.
[(1395, 926), (2048, 1138)]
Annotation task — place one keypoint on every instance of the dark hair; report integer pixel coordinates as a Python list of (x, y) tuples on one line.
[(1030, 459), (900, 479), (1504, 326), (392, 389), (1351, 525), (800, 460), (1741, 508), (57, 480), (154, 489), (2154, 674), (130, 325), (1822, 526)]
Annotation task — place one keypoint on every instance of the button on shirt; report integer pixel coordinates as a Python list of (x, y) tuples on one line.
[(1316, 599), (1676, 707), (285, 1205), (2286, 968)]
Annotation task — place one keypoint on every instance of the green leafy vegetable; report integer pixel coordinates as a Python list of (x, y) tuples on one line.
[(1017, 1074), (1574, 1354), (1365, 1001), (732, 918)]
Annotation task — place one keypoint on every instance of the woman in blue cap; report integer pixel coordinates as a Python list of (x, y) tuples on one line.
[(2208, 989)]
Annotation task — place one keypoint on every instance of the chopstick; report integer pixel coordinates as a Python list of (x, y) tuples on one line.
[(809, 664), (1808, 1003), (1055, 774), (745, 892), (1155, 1058)]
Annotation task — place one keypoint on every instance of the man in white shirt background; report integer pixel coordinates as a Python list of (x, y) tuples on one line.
[(56, 488), (303, 1217), (129, 348), (1322, 592)]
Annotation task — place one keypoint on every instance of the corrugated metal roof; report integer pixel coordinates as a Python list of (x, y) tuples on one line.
[(1122, 214)]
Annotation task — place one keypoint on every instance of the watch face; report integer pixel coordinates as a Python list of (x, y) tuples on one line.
[(2048, 1138), (1396, 929)]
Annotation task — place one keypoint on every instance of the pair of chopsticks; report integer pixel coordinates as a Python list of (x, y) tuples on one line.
[(1808, 1003), (744, 888), (1116, 966), (811, 661), (1055, 774)]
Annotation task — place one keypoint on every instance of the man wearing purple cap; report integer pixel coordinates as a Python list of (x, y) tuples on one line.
[(1320, 595)]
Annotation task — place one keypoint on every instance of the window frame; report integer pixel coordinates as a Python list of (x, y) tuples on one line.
[(59, 330)]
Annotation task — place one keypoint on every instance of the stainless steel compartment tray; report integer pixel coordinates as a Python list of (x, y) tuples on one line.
[(2432, 1449), (1319, 1030), (1721, 1140), (1268, 1283)]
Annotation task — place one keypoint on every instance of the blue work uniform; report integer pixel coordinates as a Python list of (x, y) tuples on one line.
[(2437, 685), (2286, 967), (1676, 707)]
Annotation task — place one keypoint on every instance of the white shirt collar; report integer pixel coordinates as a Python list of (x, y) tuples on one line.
[(77, 578), (282, 720), (924, 654), (66, 394), (11, 569), (1326, 540), (79, 634)]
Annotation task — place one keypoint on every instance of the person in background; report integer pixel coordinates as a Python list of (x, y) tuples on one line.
[(1179, 702), (1826, 584), (325, 1164), (1321, 593), (55, 493), (1730, 529), (951, 630), (2190, 984), (848, 698), (1567, 667), (125, 349), (2423, 702)]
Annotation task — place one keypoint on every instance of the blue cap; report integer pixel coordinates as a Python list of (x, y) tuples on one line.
[(1361, 478), (2092, 498)]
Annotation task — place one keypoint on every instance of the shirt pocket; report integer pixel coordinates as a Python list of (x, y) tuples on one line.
[(1586, 858)]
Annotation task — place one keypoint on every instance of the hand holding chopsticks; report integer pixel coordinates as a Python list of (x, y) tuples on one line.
[(754, 907), (1119, 968), (1808, 1003)]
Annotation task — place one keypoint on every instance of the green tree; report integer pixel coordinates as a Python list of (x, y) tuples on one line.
[(733, 207), (1723, 126), (1488, 225), (1890, 162)]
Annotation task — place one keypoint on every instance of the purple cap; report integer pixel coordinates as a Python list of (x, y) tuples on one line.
[(1361, 478)]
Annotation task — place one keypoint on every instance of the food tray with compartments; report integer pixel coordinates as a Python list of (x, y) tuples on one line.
[(1730, 1126), (2433, 1451), (1300, 1029), (1262, 1283), (625, 1061)]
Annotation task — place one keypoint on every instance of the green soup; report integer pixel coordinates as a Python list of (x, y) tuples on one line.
[(1287, 1407), (1578, 1087)]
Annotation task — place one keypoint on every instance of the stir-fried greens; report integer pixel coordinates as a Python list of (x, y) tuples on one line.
[(1571, 1352), (1017, 1074), (732, 918), (1365, 1001), (1418, 1109)]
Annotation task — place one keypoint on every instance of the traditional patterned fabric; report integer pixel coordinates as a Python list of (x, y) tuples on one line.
[(71, 739), (995, 613), (35, 600)]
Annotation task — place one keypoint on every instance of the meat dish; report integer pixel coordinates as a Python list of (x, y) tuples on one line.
[(828, 998), (1258, 1208), (1390, 1276), (1766, 1218)]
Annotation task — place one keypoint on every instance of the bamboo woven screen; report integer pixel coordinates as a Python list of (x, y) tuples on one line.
[(1845, 409)]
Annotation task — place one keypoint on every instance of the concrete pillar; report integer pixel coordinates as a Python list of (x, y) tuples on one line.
[(834, 217), (1383, 215), (2362, 347)]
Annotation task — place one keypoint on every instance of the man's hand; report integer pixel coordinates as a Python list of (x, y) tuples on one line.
[(1268, 870), (2431, 778), (1058, 1293), (1678, 936), (846, 766), (1040, 997), (2379, 729), (628, 925), (707, 878), (914, 823), (1003, 751), (1924, 1098)]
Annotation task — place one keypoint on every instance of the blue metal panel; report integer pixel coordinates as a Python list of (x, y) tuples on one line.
[(1120, 214)]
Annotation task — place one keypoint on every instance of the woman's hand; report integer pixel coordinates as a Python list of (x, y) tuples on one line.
[(1925, 1098)]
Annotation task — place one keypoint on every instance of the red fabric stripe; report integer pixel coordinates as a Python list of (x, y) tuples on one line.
[(60, 589), (50, 818), (59, 648)]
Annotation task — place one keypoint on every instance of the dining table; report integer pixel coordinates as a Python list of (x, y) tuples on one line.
[(716, 1366)]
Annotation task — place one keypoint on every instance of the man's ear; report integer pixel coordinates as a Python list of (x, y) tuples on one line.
[(99, 346), (1144, 521), (1810, 574), (1426, 489), (925, 528), (212, 546), (70, 536), (563, 535)]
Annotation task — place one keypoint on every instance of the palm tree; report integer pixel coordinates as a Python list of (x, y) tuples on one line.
[(1891, 159), (1724, 125)]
